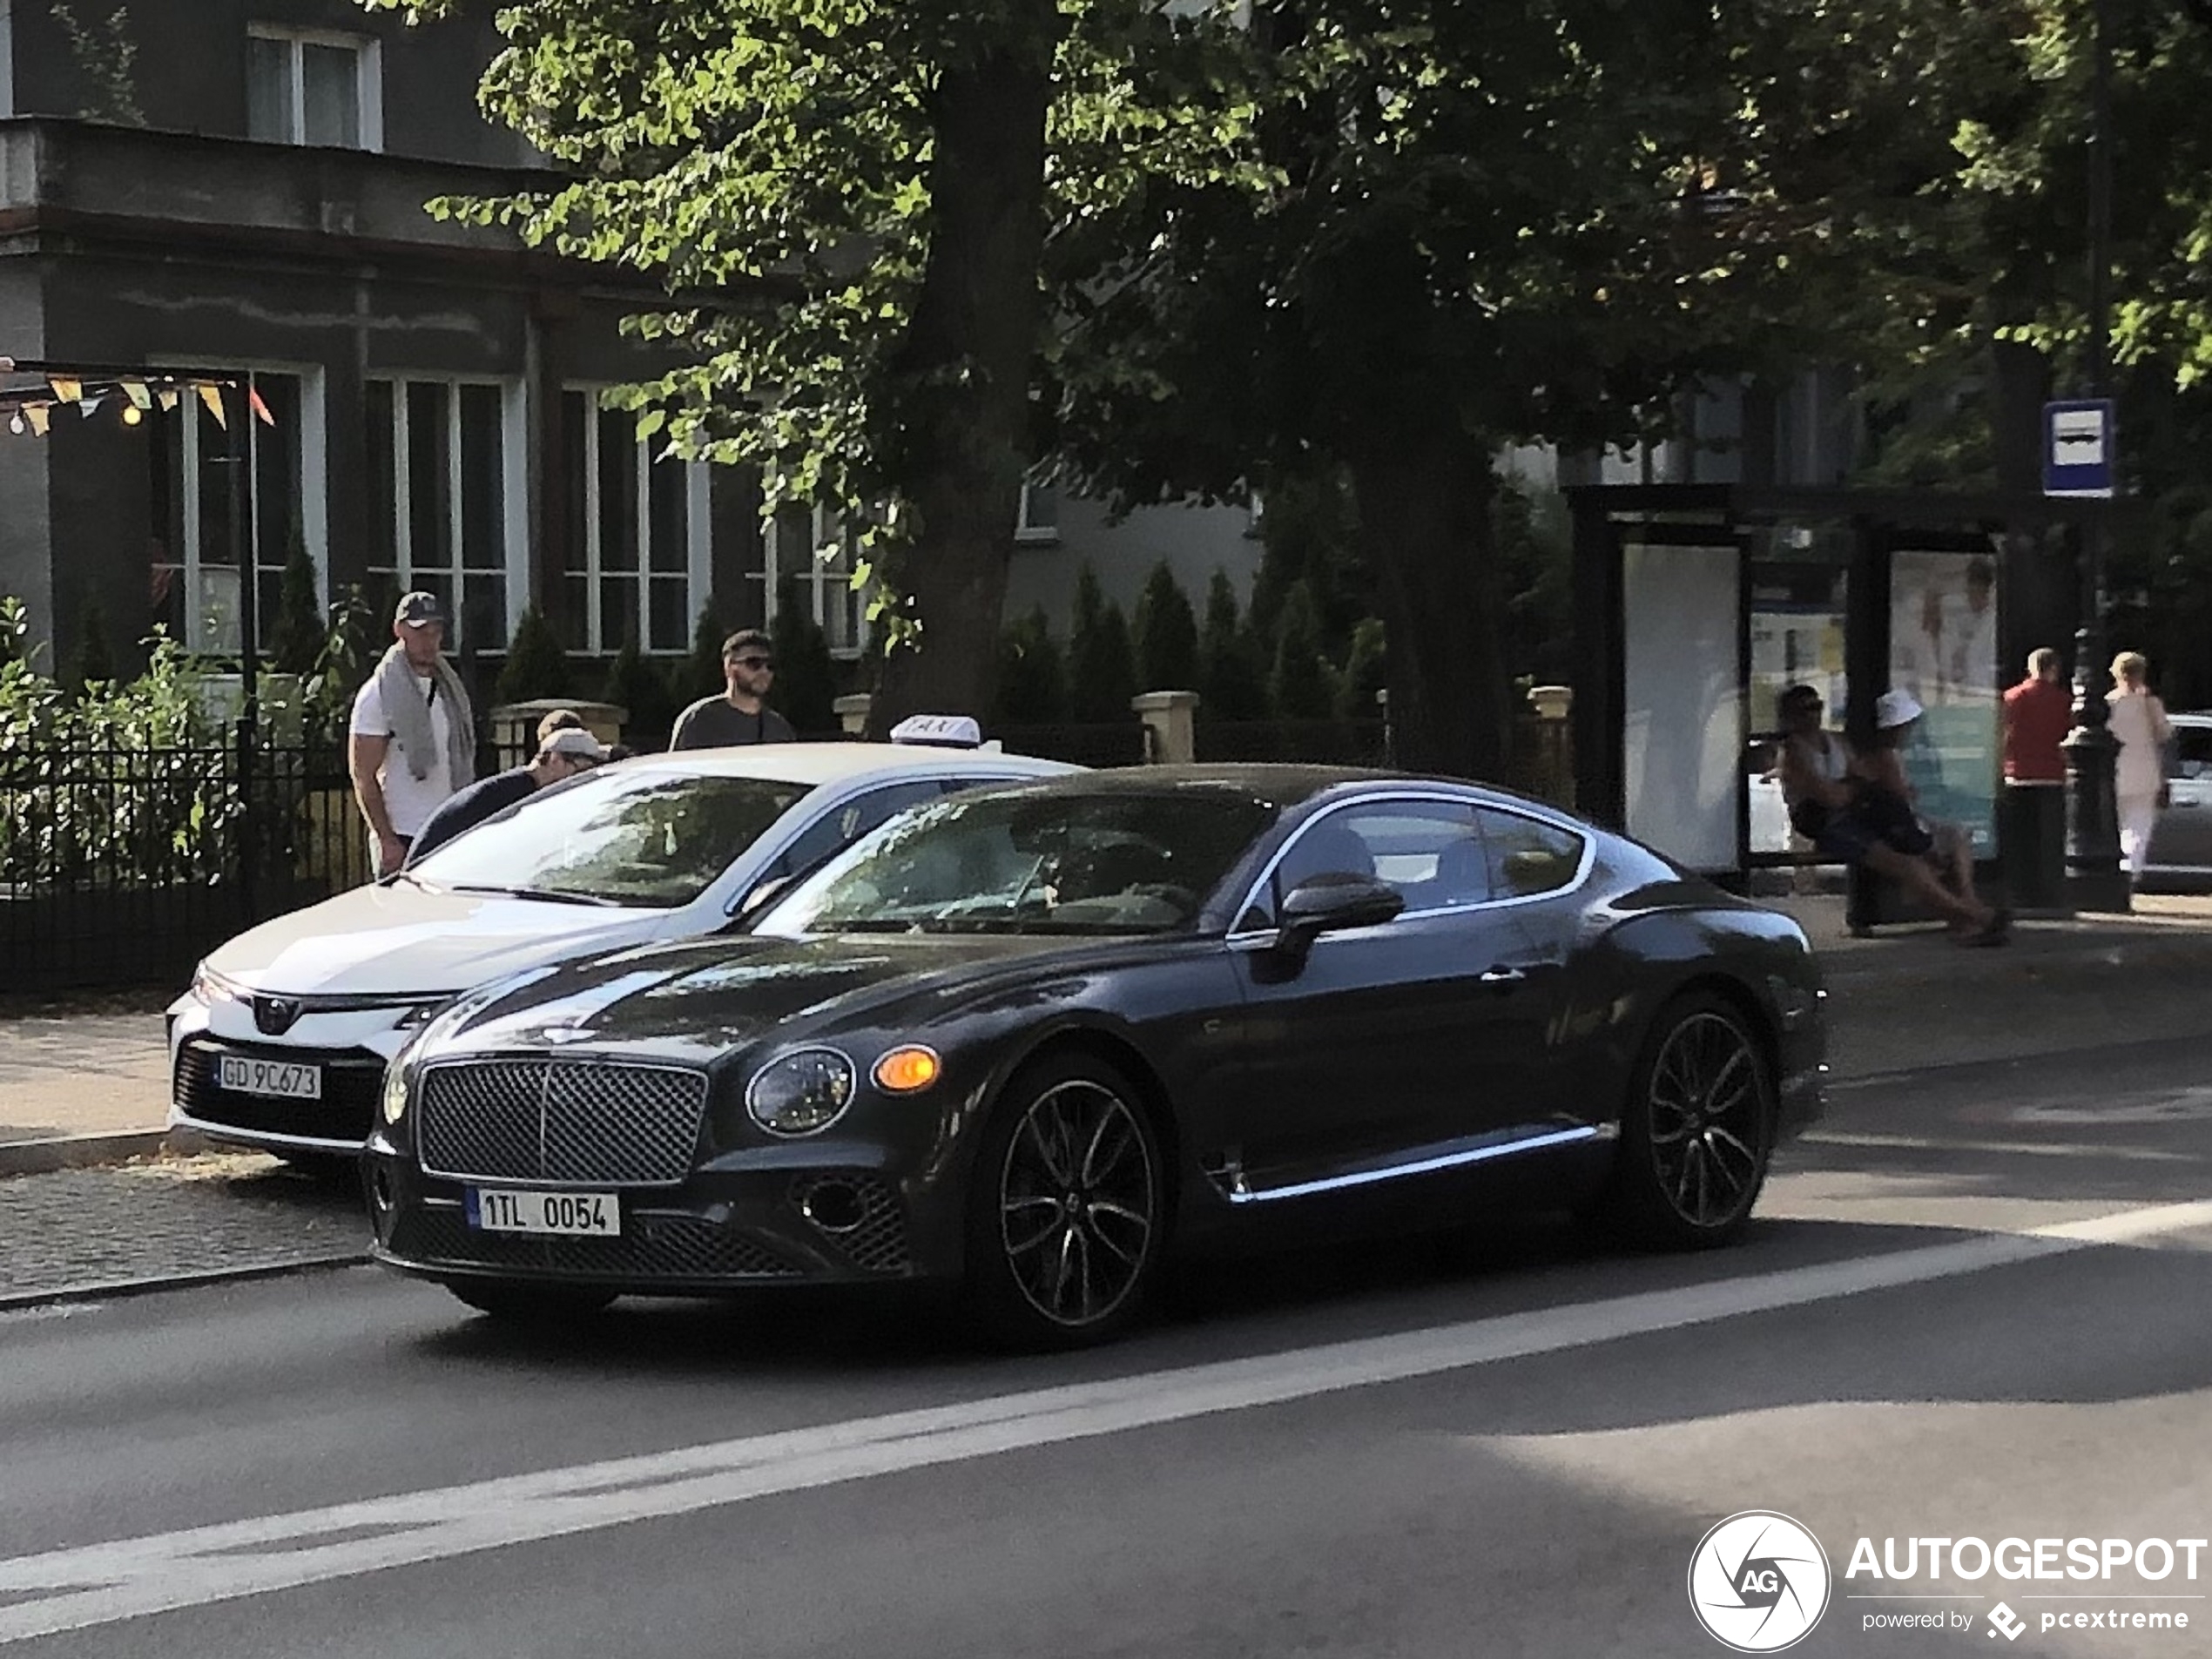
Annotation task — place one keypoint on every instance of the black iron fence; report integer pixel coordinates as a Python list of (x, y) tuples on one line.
[(122, 862)]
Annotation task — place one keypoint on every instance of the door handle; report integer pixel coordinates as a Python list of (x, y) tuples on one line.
[(1501, 975)]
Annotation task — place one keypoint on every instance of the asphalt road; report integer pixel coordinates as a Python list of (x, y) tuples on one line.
[(1981, 1305)]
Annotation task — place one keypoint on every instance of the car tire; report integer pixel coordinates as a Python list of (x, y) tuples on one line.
[(1697, 1130), (1067, 1209), (540, 1305)]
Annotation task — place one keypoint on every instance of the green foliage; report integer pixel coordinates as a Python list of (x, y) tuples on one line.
[(350, 649), (1535, 541), (1310, 532), (537, 667), (1302, 684), (1365, 672), (296, 640), (106, 59), (806, 688), (642, 691), (92, 663), (1167, 635), (700, 674), (1033, 674), (1101, 662), (1231, 685)]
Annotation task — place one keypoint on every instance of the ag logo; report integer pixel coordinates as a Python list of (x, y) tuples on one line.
[(1758, 1581)]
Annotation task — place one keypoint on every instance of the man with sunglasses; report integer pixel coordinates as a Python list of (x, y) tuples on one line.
[(564, 753), (741, 714)]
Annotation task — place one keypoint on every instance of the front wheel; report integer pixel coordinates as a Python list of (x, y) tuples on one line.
[(540, 1305), (1697, 1130), (1067, 1209)]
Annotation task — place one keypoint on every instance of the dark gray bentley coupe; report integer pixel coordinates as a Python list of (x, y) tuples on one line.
[(1029, 1039)]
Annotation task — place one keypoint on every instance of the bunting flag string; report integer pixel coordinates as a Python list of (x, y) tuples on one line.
[(260, 409), (36, 414), (29, 409), (213, 397)]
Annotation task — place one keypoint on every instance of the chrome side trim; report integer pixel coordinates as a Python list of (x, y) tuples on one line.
[(1254, 938), (1419, 1166)]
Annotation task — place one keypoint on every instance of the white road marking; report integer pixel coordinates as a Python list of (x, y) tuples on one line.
[(1868, 1141), (75, 1589)]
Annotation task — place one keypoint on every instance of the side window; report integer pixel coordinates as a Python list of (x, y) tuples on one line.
[(2193, 751), (845, 824), (1431, 852), (1527, 857)]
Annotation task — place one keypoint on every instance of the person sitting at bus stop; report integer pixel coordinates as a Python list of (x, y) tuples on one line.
[(1851, 809), (565, 753)]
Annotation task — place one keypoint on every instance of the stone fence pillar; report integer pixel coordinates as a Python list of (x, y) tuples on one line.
[(853, 713), (1171, 725)]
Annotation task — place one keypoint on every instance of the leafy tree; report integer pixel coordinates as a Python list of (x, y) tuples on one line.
[(1310, 532), (895, 166), (1230, 685), (806, 688), (1302, 684), (535, 666), (1033, 674), (1167, 635), (1365, 672), (1101, 664), (296, 640)]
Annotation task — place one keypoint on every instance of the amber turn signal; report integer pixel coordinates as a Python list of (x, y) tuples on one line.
[(909, 1070)]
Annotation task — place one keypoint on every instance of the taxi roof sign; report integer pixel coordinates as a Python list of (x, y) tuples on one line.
[(938, 731)]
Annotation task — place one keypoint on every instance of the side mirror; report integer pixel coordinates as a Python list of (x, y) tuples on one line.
[(1329, 904)]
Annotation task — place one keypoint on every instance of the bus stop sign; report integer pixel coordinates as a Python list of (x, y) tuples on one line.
[(2078, 446)]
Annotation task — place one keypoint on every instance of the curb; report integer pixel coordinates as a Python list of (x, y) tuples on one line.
[(90, 1151), (1926, 958), (115, 1290)]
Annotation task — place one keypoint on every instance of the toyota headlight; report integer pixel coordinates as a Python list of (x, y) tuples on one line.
[(802, 1093), (209, 987), (395, 1088)]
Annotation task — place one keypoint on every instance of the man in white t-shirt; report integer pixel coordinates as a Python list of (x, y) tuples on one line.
[(414, 740)]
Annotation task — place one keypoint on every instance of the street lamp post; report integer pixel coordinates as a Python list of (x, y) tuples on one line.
[(2095, 879)]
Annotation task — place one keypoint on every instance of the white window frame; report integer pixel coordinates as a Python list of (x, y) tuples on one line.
[(7, 59), (826, 583), (514, 490), (368, 77), (1027, 531), (698, 542), (314, 497)]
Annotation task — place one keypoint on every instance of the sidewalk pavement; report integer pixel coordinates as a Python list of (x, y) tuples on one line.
[(92, 1086)]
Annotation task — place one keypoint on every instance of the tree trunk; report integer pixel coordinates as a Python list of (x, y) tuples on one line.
[(955, 441), (1425, 526)]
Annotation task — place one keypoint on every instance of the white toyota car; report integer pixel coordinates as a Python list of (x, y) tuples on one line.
[(281, 1041)]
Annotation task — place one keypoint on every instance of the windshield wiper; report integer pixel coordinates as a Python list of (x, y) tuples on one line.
[(545, 894)]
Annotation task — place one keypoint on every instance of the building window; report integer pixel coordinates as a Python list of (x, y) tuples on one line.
[(446, 500), (638, 534), (196, 557), (309, 87), (808, 558), (1038, 520)]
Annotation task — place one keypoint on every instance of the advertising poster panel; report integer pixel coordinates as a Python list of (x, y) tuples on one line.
[(1944, 651)]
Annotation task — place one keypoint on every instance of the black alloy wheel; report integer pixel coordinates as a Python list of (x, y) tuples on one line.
[(545, 1306), (1067, 1212), (1697, 1130)]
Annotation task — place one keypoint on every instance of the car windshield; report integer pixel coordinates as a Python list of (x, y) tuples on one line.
[(1123, 862), (647, 837)]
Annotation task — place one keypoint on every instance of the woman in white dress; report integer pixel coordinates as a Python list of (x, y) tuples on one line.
[(2139, 722)]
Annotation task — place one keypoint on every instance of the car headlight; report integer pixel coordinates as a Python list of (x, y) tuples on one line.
[(802, 1093), (395, 1088), (209, 987)]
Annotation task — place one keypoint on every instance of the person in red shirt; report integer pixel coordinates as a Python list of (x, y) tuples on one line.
[(2038, 713)]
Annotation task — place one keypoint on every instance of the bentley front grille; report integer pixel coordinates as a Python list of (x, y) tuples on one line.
[(572, 1123)]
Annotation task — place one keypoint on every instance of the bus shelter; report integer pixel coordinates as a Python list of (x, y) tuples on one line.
[(1697, 604)]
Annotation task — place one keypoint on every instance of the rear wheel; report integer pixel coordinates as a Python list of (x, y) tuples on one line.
[(512, 1303), (1697, 1130), (1067, 1210)]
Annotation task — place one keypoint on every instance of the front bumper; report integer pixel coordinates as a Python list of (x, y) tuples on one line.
[(351, 1047)]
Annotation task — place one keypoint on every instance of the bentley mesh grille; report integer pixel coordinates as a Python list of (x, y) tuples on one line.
[(655, 1248), (560, 1121)]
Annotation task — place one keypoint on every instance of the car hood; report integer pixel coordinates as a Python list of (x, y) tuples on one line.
[(697, 1002), (406, 940)]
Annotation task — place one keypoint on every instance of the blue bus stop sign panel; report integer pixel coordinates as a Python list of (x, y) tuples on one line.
[(2078, 447)]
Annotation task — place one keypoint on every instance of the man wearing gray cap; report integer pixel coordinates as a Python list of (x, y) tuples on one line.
[(413, 734), (563, 754)]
